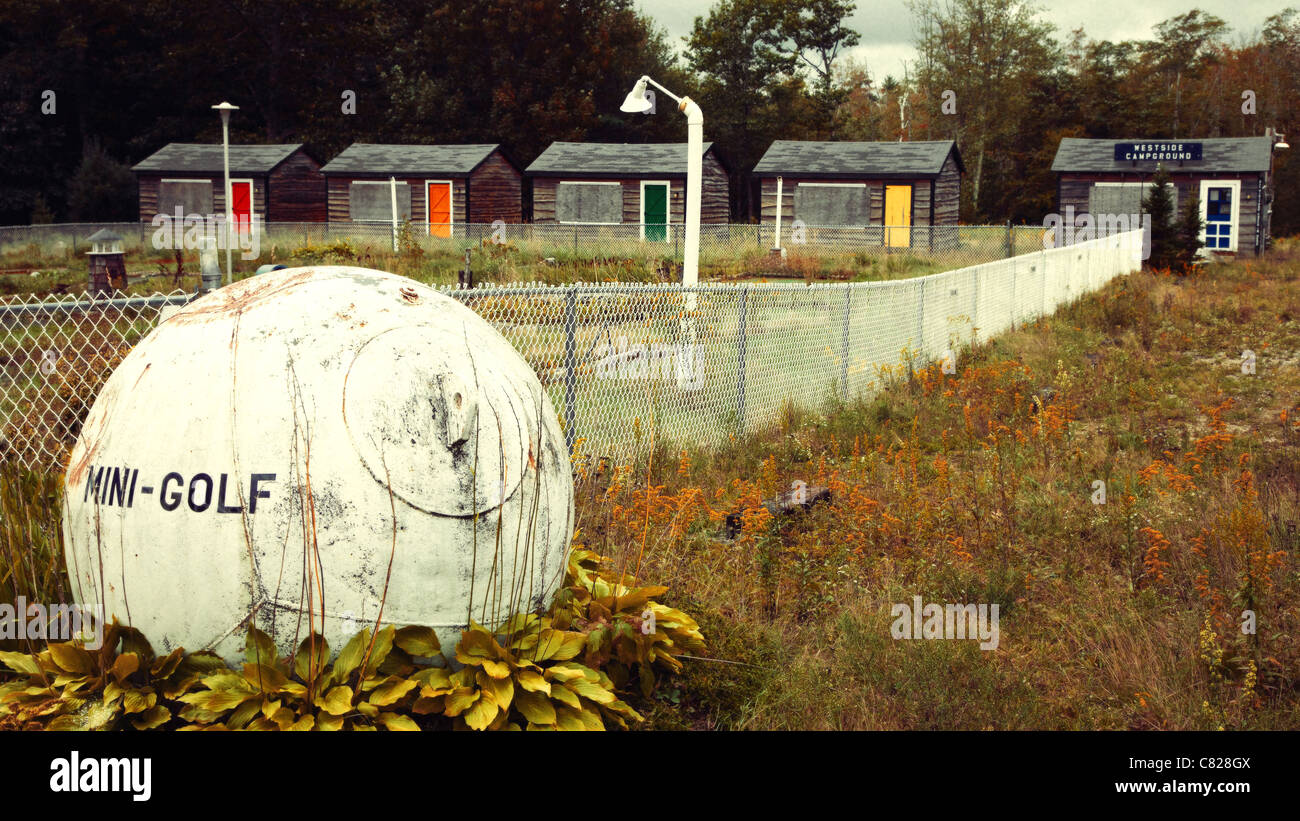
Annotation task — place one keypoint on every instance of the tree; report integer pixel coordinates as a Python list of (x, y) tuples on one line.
[(987, 52), (102, 190), (1158, 204), (815, 32), (1190, 226)]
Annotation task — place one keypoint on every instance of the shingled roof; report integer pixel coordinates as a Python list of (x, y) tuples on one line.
[(807, 158), (445, 160), (205, 158), (1224, 154), (612, 160)]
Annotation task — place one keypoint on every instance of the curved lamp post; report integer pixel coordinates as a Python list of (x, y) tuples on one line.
[(636, 103)]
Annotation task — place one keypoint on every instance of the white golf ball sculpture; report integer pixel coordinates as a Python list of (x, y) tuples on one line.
[(269, 451)]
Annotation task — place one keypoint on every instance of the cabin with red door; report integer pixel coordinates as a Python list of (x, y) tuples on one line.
[(268, 183), (439, 188)]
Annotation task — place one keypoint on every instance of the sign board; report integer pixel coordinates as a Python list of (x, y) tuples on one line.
[(1155, 151)]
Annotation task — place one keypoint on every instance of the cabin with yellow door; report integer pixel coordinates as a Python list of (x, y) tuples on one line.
[(440, 188), (888, 194)]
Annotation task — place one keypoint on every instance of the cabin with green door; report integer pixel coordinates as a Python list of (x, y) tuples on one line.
[(606, 184)]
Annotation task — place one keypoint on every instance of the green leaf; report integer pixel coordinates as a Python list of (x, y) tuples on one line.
[(151, 718), (533, 681), (397, 722), (258, 648), (20, 663), (337, 702), (391, 690), (312, 653), (71, 658), (383, 644), (418, 641), (264, 678), (350, 656), (535, 707)]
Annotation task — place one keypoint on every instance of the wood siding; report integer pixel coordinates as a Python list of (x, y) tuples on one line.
[(714, 195), (297, 191), (496, 191), (340, 184), (947, 193), (148, 185), (1074, 189), (921, 192), (943, 192)]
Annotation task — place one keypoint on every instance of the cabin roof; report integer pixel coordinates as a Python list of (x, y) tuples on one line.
[(386, 159), (206, 158), (810, 158), (613, 160), (1222, 154)]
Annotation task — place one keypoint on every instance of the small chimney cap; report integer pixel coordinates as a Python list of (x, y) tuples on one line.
[(104, 235)]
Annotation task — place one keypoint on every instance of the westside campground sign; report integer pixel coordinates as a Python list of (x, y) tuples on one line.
[(1147, 152)]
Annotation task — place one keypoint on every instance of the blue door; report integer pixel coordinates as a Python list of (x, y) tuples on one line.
[(1218, 218)]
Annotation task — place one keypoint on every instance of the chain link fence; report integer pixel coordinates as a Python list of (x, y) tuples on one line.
[(624, 364), (940, 246)]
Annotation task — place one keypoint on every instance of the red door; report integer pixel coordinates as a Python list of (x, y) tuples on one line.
[(241, 205)]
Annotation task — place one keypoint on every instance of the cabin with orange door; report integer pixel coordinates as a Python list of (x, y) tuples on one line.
[(268, 183), (439, 188)]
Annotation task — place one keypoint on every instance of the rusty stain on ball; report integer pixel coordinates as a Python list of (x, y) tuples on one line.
[(268, 451)]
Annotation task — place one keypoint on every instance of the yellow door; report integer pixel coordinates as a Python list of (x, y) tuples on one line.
[(898, 213)]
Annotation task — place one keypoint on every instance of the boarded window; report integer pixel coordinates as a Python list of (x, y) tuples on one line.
[(589, 202), (832, 204), (373, 201), (191, 196), (1123, 198)]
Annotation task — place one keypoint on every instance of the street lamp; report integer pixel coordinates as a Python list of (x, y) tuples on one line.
[(636, 103), (225, 109)]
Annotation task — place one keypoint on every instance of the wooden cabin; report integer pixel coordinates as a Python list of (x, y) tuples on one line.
[(861, 184), (624, 184), (438, 186), (268, 183), (1231, 176)]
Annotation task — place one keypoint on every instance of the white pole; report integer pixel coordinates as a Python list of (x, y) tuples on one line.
[(779, 180), (694, 175), (230, 210), (392, 191)]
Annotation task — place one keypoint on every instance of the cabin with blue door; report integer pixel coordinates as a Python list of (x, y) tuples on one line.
[(1232, 177)]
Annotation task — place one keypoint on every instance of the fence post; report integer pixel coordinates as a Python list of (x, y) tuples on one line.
[(740, 362), (570, 363), (920, 317), (1010, 249), (844, 365), (1015, 301), (975, 302)]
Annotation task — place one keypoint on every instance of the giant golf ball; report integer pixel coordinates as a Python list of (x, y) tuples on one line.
[(303, 447)]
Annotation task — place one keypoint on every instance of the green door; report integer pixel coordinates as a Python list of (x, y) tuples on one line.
[(655, 208)]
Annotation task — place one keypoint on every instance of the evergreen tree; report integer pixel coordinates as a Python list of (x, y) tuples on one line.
[(1190, 226), (1159, 205)]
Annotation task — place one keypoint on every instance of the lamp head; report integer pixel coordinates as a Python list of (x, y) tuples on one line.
[(636, 102), (225, 109)]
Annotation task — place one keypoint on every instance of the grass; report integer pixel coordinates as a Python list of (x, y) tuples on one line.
[(960, 489), (61, 268)]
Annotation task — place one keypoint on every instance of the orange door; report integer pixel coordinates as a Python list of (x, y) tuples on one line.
[(439, 195)]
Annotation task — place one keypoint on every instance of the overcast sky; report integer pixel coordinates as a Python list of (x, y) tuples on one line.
[(887, 35)]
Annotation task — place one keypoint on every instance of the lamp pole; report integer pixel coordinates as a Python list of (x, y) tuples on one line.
[(636, 103), (225, 109)]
